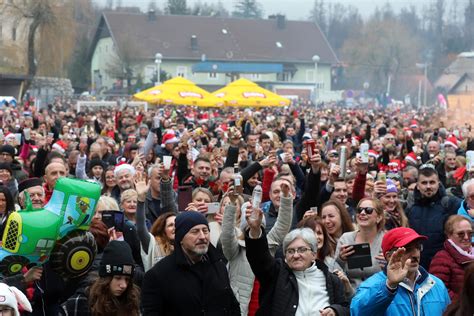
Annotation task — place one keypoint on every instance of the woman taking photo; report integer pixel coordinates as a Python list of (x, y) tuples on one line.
[(113, 293), (450, 262), (336, 219), (371, 222)]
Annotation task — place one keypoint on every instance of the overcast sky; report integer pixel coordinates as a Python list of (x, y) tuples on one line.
[(296, 9)]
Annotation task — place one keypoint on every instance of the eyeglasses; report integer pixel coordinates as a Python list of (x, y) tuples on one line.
[(300, 250), (469, 234), (367, 210)]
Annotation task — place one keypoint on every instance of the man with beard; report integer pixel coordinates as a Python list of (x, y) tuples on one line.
[(404, 288), (430, 210), (124, 177), (193, 280)]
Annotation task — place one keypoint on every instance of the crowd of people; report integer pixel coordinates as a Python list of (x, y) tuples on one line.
[(275, 211)]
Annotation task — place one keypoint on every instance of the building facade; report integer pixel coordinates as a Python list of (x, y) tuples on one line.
[(210, 51)]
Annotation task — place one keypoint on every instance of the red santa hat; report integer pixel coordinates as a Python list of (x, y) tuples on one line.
[(169, 138), (60, 146), (451, 141), (373, 153), (123, 165), (413, 123), (411, 158)]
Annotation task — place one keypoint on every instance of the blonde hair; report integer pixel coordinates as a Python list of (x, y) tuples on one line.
[(128, 195), (107, 203)]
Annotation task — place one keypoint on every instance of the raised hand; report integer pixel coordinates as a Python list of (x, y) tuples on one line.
[(141, 186), (254, 219), (285, 189), (315, 161), (397, 269)]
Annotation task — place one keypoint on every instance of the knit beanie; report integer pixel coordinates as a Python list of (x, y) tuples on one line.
[(391, 187), (184, 222), (6, 166), (96, 162), (8, 149), (117, 259)]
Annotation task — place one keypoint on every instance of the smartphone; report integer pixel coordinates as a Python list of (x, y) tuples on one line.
[(213, 208), (382, 176), (114, 219), (185, 196), (361, 257)]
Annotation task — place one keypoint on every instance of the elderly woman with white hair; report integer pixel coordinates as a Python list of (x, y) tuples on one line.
[(299, 285)]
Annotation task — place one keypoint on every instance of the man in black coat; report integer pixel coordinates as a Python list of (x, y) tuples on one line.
[(194, 279), (429, 213)]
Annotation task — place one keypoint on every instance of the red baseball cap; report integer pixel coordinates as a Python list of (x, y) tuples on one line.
[(399, 237)]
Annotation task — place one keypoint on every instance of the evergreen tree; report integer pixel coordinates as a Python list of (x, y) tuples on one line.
[(249, 9), (177, 7)]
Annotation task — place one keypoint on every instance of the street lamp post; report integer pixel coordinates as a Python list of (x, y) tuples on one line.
[(158, 58), (316, 60)]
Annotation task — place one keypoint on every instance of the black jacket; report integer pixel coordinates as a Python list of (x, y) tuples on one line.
[(427, 217), (174, 287), (278, 285)]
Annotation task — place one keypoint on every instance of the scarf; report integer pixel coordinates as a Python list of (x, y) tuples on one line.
[(469, 254)]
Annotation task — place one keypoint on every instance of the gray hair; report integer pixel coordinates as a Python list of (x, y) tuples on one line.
[(152, 167), (307, 234), (465, 186)]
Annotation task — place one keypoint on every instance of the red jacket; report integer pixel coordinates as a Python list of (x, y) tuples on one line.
[(448, 265)]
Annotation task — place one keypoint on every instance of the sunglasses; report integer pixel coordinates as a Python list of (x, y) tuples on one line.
[(367, 210)]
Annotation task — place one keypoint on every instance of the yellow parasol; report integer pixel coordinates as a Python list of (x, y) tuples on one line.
[(243, 92), (178, 91)]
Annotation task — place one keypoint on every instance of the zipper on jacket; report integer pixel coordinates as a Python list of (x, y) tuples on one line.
[(411, 296)]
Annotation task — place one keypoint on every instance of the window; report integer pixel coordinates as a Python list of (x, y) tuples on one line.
[(181, 71), (14, 34), (213, 76), (284, 76)]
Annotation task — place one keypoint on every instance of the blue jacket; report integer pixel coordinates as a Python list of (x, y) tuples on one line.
[(427, 216), (430, 297), (463, 212)]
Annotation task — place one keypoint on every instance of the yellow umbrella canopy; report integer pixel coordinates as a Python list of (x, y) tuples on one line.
[(243, 92), (178, 91)]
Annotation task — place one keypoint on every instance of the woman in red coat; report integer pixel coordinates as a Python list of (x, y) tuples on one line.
[(449, 263)]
